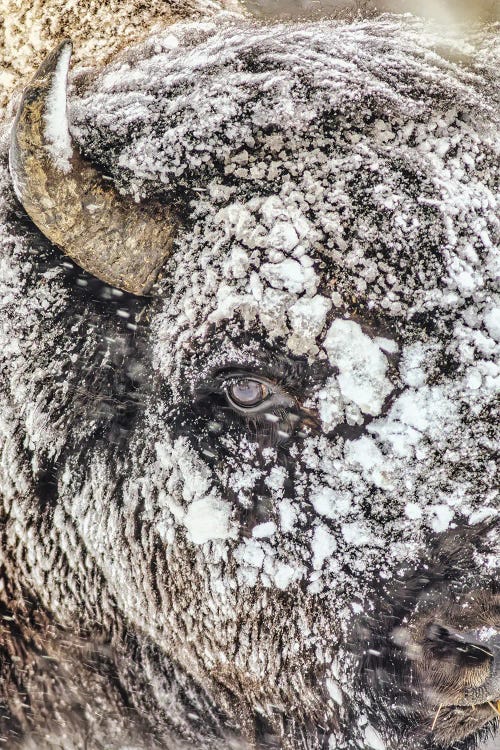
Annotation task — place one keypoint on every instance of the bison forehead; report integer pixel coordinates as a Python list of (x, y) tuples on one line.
[(297, 148)]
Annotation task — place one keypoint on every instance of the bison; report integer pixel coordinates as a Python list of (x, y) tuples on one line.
[(248, 371)]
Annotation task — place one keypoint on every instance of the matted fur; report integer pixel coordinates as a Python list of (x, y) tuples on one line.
[(173, 572)]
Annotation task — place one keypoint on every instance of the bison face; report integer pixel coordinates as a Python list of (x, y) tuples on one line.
[(276, 469)]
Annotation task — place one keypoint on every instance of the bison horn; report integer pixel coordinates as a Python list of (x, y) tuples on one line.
[(117, 240)]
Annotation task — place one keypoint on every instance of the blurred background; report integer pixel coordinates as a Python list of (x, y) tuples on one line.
[(447, 11)]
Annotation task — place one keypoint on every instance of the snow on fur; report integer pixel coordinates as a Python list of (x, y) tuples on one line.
[(339, 204)]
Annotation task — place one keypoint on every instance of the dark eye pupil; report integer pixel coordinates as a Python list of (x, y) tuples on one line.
[(247, 392)]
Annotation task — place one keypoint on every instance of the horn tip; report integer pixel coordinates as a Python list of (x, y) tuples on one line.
[(41, 127), (59, 56), (65, 47), (56, 131)]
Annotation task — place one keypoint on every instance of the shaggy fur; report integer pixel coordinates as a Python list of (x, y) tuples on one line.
[(177, 571)]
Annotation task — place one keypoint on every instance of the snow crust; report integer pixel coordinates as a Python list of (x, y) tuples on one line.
[(361, 364)]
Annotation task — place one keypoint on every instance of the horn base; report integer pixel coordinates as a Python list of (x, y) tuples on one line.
[(123, 243)]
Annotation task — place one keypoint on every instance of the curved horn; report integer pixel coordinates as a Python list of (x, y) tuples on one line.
[(121, 242)]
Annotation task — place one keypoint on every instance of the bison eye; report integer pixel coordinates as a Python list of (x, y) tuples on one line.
[(247, 393)]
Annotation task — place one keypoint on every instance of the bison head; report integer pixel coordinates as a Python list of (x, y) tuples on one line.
[(247, 452)]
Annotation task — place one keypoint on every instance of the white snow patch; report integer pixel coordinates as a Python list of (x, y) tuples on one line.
[(291, 275), (323, 546), (56, 116), (330, 404), (492, 322), (365, 453), (357, 534), (288, 515), (208, 519), (276, 478), (443, 516), (373, 738), (250, 553), (388, 345), (334, 690), (413, 511), (263, 530), (329, 502), (412, 366), (362, 365), (283, 236), (284, 575), (307, 317)]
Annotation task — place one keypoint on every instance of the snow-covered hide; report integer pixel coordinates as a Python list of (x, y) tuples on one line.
[(244, 506)]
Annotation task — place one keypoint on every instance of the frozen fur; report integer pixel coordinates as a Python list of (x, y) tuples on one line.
[(176, 572)]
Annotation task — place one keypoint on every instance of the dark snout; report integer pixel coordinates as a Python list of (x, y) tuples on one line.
[(454, 652), (433, 654), (466, 663)]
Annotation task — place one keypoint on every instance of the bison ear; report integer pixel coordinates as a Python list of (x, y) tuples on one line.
[(121, 242)]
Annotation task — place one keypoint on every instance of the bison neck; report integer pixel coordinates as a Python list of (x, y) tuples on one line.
[(75, 690)]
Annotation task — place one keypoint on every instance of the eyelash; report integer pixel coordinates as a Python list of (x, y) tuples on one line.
[(277, 398), (272, 421)]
